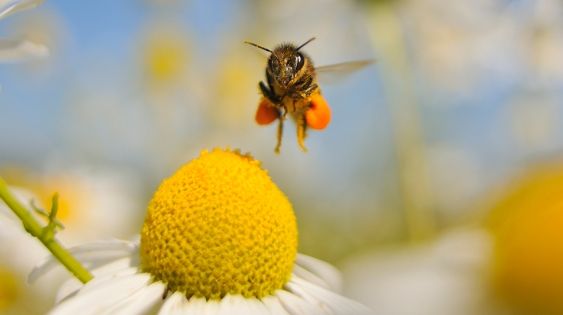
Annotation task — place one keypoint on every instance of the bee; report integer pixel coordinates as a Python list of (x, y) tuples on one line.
[(291, 88)]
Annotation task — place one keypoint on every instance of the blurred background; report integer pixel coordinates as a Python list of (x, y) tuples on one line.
[(437, 188)]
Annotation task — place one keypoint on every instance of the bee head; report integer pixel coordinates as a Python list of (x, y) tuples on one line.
[(285, 62)]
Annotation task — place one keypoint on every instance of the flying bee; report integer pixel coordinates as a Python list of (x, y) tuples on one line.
[(291, 88)]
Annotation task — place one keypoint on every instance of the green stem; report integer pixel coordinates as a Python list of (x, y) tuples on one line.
[(417, 201), (35, 229)]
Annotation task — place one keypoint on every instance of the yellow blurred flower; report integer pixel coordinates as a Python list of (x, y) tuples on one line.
[(9, 288), (236, 97), (527, 224), (165, 57)]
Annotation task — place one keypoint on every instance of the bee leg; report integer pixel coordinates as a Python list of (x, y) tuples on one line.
[(280, 134), (267, 93), (301, 132)]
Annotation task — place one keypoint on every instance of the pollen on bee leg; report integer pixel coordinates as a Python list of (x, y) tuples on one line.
[(318, 115), (266, 112)]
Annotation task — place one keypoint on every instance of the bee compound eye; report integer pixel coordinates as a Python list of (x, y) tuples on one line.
[(299, 61), (274, 64)]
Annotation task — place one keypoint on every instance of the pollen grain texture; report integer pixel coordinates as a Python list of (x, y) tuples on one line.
[(220, 226)]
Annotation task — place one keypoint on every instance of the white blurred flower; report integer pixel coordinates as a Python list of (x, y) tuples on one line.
[(18, 254), (15, 50), (91, 205), (446, 277), (13, 236), (460, 45), (544, 43), (92, 202)]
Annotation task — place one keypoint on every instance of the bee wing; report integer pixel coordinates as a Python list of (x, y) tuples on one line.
[(335, 72)]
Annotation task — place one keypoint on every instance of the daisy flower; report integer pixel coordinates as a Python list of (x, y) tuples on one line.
[(219, 237), (12, 50)]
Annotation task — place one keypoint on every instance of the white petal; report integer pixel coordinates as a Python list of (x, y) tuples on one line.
[(98, 297), (12, 51), (338, 304), (295, 305), (78, 288), (274, 305), (92, 255), (117, 267), (305, 274), (199, 306), (174, 304), (237, 304), (325, 271), (8, 7), (68, 288), (310, 299), (104, 246), (145, 301), (98, 282)]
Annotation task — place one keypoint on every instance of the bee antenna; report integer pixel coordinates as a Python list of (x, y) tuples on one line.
[(305, 43), (258, 46)]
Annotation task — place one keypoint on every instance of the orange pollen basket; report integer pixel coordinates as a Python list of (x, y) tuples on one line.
[(266, 112), (318, 116)]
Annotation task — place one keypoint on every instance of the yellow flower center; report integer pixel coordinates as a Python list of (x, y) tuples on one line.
[(220, 226)]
